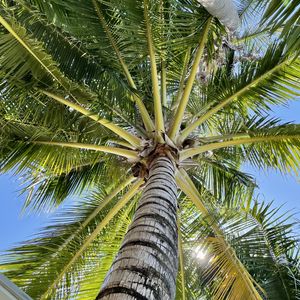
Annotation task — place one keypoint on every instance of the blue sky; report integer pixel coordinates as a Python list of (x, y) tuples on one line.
[(274, 186), (15, 227)]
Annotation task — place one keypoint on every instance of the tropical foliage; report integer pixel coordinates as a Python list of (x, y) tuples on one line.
[(90, 89)]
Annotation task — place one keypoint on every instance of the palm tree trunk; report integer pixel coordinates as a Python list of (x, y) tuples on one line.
[(146, 265)]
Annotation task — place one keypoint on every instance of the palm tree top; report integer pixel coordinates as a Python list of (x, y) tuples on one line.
[(92, 91)]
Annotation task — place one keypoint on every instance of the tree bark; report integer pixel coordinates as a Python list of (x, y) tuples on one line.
[(146, 265)]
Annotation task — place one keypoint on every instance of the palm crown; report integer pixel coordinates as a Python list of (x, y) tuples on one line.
[(93, 90)]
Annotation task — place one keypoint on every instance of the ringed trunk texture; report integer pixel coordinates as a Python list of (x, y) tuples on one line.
[(146, 265)]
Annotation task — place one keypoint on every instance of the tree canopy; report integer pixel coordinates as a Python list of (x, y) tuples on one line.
[(90, 89)]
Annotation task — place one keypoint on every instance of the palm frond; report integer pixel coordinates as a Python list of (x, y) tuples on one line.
[(48, 172), (63, 48), (276, 228), (222, 178), (228, 276), (113, 127), (159, 121), (176, 122), (143, 111), (261, 238), (57, 256), (38, 63), (284, 14), (270, 80), (272, 145), (27, 57)]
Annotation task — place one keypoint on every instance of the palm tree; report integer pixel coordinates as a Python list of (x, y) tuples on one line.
[(147, 109)]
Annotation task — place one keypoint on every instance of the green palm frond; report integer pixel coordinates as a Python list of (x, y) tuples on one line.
[(256, 38), (58, 255), (270, 80), (31, 60), (51, 173), (66, 51), (238, 282), (272, 15), (40, 175), (287, 16), (269, 145), (281, 13), (221, 177), (276, 229), (48, 191), (26, 57), (218, 271), (261, 239), (248, 9)]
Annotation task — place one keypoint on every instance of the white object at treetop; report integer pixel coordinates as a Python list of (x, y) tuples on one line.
[(224, 10)]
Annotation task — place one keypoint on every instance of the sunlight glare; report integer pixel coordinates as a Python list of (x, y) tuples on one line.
[(200, 253)]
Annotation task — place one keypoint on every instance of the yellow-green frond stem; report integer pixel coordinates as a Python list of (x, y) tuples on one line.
[(143, 111), (133, 140), (189, 129), (159, 120), (163, 84), (144, 114), (216, 138), (181, 260), (110, 215), (213, 146), (106, 149), (122, 143), (163, 73), (190, 82), (189, 191)]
